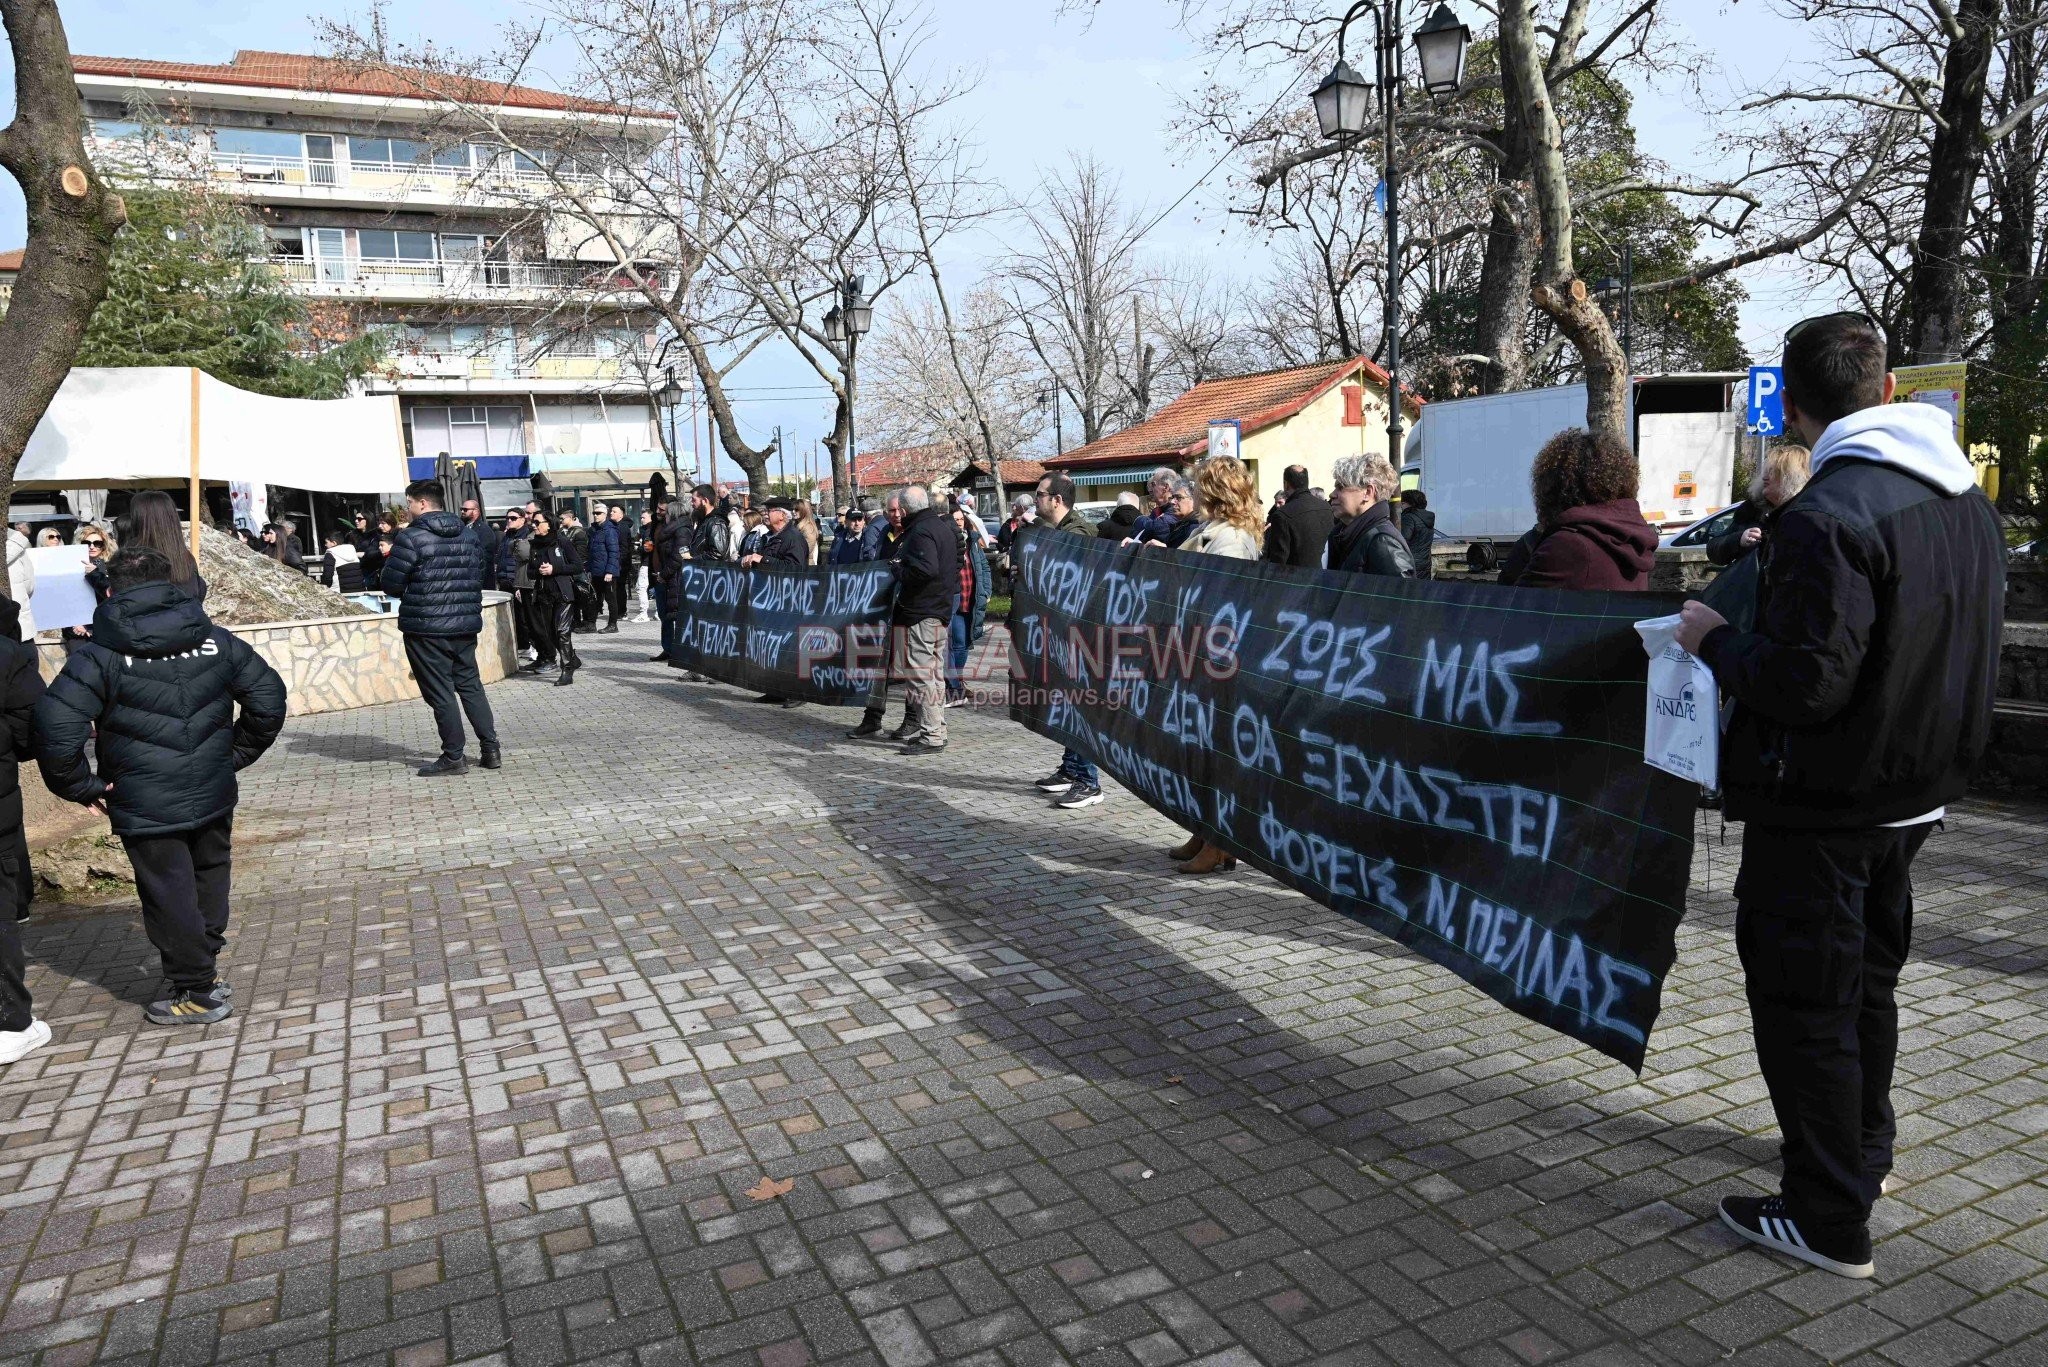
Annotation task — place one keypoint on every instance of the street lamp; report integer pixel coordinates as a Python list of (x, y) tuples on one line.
[(846, 322), (670, 396), (1343, 103)]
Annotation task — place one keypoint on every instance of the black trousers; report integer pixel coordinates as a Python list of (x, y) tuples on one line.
[(446, 669), (182, 879), (540, 625), (1823, 920), (562, 630), (14, 999), (520, 637), (614, 599)]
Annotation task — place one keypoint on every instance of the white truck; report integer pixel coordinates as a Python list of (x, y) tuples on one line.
[(1475, 454)]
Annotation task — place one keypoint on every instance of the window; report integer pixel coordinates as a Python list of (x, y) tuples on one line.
[(1354, 406), (384, 244), (457, 155), (115, 128), (287, 242), (403, 151), (257, 142), (469, 431)]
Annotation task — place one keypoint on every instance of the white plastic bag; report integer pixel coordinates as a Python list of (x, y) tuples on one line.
[(1682, 722)]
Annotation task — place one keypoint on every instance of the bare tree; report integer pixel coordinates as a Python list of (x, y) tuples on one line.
[(962, 376), (1076, 288), (72, 219)]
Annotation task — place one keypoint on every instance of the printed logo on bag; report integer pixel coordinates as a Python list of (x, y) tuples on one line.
[(1680, 706)]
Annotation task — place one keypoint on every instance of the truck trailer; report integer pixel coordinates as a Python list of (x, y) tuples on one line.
[(1475, 454)]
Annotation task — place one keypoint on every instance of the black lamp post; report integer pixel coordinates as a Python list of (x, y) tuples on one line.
[(670, 396), (1049, 397), (1626, 287), (846, 322), (1344, 104)]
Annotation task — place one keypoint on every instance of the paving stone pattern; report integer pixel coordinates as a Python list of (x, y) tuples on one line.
[(513, 1050)]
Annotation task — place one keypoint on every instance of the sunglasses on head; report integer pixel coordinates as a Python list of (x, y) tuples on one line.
[(1804, 323)]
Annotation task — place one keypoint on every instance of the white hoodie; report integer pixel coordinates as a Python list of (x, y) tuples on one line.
[(21, 577), (1915, 437)]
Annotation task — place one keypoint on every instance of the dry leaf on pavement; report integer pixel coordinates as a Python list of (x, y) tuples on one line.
[(770, 1188)]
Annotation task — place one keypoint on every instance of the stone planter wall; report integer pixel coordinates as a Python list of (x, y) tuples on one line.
[(331, 663)]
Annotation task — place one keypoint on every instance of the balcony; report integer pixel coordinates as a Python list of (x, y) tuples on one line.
[(500, 282), (445, 372), (339, 181)]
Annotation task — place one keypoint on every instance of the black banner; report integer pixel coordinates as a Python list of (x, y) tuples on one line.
[(1458, 766), (812, 635)]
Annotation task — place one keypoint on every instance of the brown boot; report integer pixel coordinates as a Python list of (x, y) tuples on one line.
[(1189, 850), (1211, 860)]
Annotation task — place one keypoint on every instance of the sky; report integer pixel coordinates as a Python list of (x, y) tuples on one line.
[(1041, 86)]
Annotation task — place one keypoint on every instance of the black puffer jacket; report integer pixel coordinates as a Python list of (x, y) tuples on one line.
[(928, 569), (162, 684), (436, 571), (21, 688)]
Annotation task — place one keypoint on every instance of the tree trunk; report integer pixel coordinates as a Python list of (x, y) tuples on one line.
[(1556, 290), (1955, 159), (753, 462), (72, 219), (1509, 263), (2014, 277)]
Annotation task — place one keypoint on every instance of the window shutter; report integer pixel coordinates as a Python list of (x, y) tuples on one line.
[(1354, 405)]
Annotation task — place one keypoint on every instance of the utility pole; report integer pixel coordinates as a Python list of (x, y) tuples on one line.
[(782, 459)]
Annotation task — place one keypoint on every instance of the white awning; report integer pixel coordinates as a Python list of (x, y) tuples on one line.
[(136, 426)]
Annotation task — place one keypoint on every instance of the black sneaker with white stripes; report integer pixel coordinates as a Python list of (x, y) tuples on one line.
[(1764, 1220)]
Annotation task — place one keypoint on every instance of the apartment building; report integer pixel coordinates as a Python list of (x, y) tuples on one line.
[(515, 340)]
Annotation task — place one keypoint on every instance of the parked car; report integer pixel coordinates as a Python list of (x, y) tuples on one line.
[(1701, 532)]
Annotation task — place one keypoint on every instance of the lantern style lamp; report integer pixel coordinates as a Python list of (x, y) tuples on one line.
[(860, 314), (1441, 43), (835, 326), (1343, 102)]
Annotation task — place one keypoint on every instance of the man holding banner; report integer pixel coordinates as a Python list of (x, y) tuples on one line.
[(1863, 703)]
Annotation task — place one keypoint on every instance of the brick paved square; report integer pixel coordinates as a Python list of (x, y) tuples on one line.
[(515, 1052)]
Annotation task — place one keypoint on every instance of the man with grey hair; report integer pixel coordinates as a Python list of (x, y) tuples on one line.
[(1366, 539), (1163, 485), (927, 590)]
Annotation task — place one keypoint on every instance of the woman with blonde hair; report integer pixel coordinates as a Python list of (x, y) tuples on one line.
[(1781, 476), (1227, 503), (807, 523)]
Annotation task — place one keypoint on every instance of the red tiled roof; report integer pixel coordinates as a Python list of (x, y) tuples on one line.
[(892, 469), (299, 71), (1181, 429), (11, 261)]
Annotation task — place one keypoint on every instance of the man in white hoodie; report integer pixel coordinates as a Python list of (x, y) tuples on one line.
[(21, 580), (1863, 703)]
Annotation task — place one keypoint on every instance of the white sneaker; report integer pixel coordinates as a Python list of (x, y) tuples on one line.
[(18, 1044)]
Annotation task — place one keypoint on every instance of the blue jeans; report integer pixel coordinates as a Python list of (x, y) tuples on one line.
[(1075, 767), (958, 645)]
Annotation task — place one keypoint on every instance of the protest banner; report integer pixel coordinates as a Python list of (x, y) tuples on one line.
[(1458, 766), (814, 635)]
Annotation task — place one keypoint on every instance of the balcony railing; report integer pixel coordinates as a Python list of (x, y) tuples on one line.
[(444, 365), (443, 277), (399, 176)]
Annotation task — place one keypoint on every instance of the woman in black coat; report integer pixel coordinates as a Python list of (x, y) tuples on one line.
[(556, 563)]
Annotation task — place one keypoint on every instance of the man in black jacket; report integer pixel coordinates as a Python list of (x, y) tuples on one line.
[(21, 687), (436, 571), (927, 588), (1298, 528), (161, 685), (786, 545), (1862, 704), (487, 536)]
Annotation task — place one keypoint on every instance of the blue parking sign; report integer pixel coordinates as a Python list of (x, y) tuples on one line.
[(1767, 400)]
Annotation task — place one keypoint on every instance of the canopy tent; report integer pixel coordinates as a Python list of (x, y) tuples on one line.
[(144, 426)]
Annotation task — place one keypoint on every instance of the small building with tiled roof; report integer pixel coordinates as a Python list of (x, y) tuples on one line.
[(1310, 415), (992, 494), (881, 473)]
